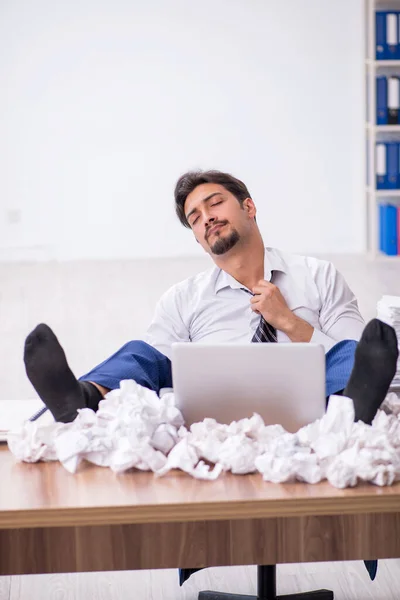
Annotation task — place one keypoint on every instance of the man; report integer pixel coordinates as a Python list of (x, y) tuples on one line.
[(298, 299), (252, 294)]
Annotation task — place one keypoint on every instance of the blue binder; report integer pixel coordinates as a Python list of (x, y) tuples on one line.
[(381, 225), (388, 229), (398, 168), (392, 35), (380, 35), (381, 166), (392, 161), (398, 35), (381, 100)]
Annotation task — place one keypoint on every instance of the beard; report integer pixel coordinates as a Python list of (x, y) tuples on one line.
[(224, 244)]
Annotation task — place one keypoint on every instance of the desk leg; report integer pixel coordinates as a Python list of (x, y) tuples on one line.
[(266, 590)]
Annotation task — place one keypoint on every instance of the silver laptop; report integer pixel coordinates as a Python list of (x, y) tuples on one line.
[(284, 383)]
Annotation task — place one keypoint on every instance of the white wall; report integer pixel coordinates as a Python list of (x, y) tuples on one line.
[(104, 104)]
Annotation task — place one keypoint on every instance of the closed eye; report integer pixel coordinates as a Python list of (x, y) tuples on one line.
[(197, 218)]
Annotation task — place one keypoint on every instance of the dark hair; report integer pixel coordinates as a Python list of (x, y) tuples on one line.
[(189, 181)]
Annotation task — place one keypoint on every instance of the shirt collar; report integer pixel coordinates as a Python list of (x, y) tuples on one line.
[(272, 262)]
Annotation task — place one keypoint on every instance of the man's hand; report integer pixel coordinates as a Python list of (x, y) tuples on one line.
[(269, 302)]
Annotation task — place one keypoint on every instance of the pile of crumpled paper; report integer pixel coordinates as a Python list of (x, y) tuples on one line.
[(134, 428)]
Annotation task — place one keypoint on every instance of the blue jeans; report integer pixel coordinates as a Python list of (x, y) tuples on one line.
[(148, 367)]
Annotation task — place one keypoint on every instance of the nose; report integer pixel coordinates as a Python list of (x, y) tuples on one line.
[(209, 222)]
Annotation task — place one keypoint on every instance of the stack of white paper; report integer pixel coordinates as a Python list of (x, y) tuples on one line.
[(389, 311)]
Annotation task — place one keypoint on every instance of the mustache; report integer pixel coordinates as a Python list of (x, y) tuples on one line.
[(214, 225)]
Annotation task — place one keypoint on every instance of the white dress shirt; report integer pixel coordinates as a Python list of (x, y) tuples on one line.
[(211, 307)]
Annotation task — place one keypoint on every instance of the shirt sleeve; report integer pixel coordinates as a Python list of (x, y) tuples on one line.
[(339, 318), (167, 325)]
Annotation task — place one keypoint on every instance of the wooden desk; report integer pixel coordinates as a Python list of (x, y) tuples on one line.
[(51, 521)]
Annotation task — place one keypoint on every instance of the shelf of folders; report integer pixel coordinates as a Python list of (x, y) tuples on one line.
[(387, 153), (387, 164), (387, 161), (387, 35), (389, 228), (388, 100)]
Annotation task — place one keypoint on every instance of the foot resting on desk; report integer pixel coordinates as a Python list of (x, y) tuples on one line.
[(48, 371), (374, 368)]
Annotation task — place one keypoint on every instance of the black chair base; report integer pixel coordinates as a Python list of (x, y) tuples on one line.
[(266, 590)]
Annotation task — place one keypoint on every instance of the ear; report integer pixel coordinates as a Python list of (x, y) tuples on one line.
[(250, 207)]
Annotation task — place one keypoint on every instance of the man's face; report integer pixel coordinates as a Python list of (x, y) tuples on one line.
[(216, 217)]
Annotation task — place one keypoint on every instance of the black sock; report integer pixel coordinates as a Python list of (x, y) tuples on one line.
[(92, 394), (374, 368), (48, 371)]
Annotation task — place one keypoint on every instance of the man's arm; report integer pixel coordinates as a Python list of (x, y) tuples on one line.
[(340, 318), (167, 325), (269, 302)]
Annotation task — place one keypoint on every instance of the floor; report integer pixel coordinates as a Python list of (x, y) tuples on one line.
[(94, 307), (349, 581)]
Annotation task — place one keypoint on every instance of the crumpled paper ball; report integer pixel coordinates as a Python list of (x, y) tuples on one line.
[(134, 428)]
